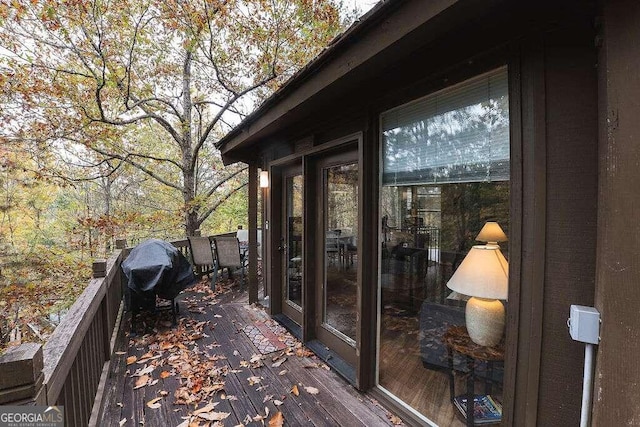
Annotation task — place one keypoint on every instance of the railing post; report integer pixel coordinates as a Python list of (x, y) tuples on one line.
[(21, 382), (99, 268)]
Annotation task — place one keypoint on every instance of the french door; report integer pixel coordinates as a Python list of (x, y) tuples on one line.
[(291, 243), (337, 243)]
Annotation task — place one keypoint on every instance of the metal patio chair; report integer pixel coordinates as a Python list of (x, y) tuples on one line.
[(202, 257), (227, 250)]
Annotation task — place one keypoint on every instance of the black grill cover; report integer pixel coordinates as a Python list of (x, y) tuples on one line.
[(156, 267)]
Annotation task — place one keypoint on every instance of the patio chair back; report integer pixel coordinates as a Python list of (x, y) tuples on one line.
[(228, 253), (201, 252)]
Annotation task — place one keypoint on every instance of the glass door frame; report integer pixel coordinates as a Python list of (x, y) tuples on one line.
[(327, 335), (289, 308)]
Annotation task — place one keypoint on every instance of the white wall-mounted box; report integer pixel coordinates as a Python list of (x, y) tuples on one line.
[(584, 324)]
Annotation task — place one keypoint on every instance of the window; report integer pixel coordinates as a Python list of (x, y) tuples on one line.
[(445, 172)]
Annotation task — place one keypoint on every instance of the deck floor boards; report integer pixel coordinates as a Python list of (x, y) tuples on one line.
[(224, 351)]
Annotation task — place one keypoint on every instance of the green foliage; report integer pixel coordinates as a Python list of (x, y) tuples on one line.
[(229, 215)]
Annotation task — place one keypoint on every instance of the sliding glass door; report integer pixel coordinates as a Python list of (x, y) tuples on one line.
[(445, 172)]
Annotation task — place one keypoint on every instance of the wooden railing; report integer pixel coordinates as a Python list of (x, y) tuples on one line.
[(77, 355), (71, 368)]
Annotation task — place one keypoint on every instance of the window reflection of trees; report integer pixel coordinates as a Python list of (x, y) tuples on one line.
[(342, 197), (466, 143)]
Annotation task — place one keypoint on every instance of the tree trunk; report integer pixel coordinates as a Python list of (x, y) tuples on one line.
[(188, 171)]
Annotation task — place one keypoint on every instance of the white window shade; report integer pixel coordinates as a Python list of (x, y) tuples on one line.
[(460, 134)]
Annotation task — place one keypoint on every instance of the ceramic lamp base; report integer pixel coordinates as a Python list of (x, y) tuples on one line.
[(485, 321)]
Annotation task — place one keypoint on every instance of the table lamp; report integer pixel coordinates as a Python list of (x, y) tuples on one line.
[(483, 275), (491, 233)]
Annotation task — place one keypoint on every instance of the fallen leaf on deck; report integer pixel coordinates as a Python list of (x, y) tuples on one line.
[(164, 345), (153, 403), (214, 416), (165, 374), (123, 422), (141, 381), (144, 371), (395, 420), (236, 353), (120, 353), (147, 355), (131, 360), (294, 390), (267, 398), (277, 420), (217, 315), (278, 363), (164, 393), (146, 359), (254, 380), (312, 390), (207, 408), (283, 372), (278, 402)]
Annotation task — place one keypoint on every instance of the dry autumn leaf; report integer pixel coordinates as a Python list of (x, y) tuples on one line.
[(214, 416), (254, 380), (164, 345), (294, 390), (278, 402), (277, 420), (278, 363), (123, 422), (395, 420), (131, 360), (207, 408), (147, 355), (141, 381), (165, 374), (312, 390), (153, 403)]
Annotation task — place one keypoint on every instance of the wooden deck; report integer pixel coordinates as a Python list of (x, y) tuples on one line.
[(207, 371)]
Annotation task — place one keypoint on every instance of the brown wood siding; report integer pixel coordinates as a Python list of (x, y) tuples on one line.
[(554, 188), (571, 200), (528, 298), (618, 269)]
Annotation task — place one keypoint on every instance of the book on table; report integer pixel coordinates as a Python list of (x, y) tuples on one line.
[(486, 409)]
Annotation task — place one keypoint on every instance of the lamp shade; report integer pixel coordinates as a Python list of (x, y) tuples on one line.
[(483, 273), (264, 179), (491, 232)]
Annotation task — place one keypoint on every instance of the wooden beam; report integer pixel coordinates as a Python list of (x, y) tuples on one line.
[(528, 247), (253, 233), (618, 265)]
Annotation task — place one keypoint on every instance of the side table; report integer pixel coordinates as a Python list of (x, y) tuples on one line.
[(457, 340)]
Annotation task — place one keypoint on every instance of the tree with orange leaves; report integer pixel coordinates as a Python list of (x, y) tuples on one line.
[(149, 83)]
